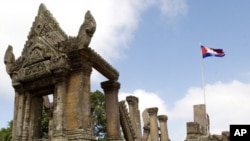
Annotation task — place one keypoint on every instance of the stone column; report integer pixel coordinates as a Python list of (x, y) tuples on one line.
[(135, 115), (26, 120), (163, 127), (85, 96), (58, 102), (153, 123), (112, 109), (18, 114)]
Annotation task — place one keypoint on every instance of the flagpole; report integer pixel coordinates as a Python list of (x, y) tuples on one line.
[(203, 88), (203, 79)]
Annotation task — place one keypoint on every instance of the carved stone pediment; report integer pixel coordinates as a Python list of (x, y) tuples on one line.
[(48, 48), (40, 53), (45, 25)]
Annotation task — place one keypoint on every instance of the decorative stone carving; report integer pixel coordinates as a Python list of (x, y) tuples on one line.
[(86, 31), (45, 25), (135, 115), (126, 123), (9, 59)]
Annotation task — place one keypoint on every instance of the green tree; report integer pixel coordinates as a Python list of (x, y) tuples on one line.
[(5, 133), (44, 125), (99, 116)]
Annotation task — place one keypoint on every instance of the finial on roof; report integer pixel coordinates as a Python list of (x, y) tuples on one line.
[(42, 8)]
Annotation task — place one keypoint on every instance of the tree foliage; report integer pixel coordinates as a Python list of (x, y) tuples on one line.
[(44, 125), (99, 116), (5, 133)]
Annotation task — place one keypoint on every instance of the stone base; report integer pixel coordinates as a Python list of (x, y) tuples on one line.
[(16, 138), (79, 135), (115, 139), (73, 135)]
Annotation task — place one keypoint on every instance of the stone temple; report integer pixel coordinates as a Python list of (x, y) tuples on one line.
[(52, 63)]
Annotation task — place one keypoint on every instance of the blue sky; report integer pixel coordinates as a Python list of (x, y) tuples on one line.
[(154, 44)]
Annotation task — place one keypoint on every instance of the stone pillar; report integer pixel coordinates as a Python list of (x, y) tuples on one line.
[(18, 114), (200, 117), (163, 127), (26, 120), (85, 96), (135, 115), (153, 123), (58, 102), (112, 109)]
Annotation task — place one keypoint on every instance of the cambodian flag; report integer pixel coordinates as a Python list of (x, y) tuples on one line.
[(206, 52)]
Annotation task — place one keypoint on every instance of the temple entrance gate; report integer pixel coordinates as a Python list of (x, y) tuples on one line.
[(53, 63)]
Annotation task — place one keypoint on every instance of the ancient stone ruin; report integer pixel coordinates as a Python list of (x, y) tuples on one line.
[(53, 63), (198, 130), (154, 126)]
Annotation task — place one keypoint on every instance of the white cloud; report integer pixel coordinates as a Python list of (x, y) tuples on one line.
[(227, 103), (173, 8)]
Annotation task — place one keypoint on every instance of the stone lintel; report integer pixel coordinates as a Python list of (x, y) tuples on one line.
[(103, 66), (61, 75)]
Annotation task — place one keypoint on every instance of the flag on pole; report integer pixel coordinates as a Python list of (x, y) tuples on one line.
[(206, 52)]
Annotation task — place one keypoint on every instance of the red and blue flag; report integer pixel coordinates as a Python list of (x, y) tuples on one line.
[(206, 52)]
